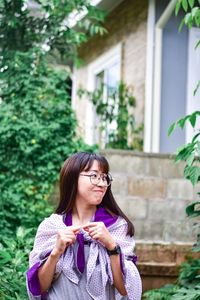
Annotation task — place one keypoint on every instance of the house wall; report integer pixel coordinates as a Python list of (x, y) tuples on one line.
[(174, 79), (126, 25)]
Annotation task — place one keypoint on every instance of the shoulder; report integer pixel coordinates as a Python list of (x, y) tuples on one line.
[(119, 232), (54, 220), (120, 224)]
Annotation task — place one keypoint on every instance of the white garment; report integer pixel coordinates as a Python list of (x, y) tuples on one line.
[(99, 273)]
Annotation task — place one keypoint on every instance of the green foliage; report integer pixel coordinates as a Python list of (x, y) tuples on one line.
[(14, 252), (164, 293), (190, 154), (181, 122), (172, 292), (38, 126), (36, 133), (192, 12), (190, 274), (188, 286), (116, 109), (23, 27)]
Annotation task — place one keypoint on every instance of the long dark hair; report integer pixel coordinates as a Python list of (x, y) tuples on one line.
[(69, 175)]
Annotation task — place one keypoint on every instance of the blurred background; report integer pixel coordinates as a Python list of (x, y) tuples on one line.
[(118, 77)]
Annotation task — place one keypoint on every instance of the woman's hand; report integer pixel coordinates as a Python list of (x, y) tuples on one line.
[(64, 239), (99, 232), (47, 270)]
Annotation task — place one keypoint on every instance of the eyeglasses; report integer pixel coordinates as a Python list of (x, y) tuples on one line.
[(95, 178)]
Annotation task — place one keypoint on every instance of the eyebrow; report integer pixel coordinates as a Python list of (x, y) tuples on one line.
[(97, 171)]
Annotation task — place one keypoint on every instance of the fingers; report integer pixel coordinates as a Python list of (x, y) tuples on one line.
[(66, 237), (96, 230), (70, 229), (75, 229), (90, 227), (91, 224)]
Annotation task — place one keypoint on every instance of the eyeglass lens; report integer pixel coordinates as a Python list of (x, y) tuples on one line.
[(95, 179)]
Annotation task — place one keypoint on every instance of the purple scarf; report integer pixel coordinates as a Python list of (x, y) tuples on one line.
[(101, 215)]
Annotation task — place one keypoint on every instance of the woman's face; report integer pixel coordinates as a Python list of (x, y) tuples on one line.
[(90, 193)]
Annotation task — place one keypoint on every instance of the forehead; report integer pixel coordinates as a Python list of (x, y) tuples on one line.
[(96, 165)]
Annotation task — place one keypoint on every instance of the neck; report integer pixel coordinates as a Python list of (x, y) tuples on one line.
[(82, 215)]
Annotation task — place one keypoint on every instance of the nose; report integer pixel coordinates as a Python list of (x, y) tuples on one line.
[(100, 182)]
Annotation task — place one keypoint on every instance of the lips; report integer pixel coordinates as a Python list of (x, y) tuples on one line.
[(98, 191)]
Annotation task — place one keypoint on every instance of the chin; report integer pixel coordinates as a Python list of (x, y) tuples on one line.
[(97, 201)]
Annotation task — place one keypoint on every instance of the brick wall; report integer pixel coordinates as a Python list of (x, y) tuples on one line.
[(126, 25)]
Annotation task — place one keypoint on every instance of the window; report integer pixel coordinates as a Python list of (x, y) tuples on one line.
[(108, 80), (104, 73)]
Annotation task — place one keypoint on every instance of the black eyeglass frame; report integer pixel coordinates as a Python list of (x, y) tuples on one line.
[(99, 176)]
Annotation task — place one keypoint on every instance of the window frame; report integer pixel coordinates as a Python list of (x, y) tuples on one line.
[(103, 62)]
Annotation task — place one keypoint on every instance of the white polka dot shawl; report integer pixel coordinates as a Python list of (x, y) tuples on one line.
[(99, 272)]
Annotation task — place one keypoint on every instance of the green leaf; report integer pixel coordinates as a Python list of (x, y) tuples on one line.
[(5, 257), (190, 159), (178, 5), (198, 148), (197, 86), (171, 128), (181, 122), (185, 5), (194, 11), (196, 246), (181, 25), (188, 20), (193, 210), (191, 3), (192, 120), (195, 137), (192, 173)]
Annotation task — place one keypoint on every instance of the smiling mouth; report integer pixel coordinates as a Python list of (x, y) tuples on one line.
[(98, 191)]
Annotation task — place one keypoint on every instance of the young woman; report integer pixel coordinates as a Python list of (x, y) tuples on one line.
[(85, 250)]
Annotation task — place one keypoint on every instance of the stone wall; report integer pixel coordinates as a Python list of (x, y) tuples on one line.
[(159, 263), (151, 190)]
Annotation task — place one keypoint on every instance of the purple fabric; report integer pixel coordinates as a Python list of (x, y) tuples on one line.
[(101, 215), (33, 280), (68, 219), (80, 253), (95, 282), (132, 258)]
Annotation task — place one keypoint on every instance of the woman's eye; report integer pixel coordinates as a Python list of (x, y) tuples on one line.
[(93, 176), (104, 178)]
